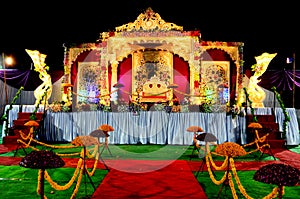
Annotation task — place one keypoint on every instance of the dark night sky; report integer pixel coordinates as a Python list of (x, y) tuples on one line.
[(47, 25)]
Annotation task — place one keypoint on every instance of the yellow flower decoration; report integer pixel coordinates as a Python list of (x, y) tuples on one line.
[(106, 127), (194, 129), (85, 140), (31, 123), (230, 149), (255, 125)]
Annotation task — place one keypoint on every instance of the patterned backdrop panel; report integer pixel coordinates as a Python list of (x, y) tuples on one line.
[(151, 64), (215, 84), (87, 86)]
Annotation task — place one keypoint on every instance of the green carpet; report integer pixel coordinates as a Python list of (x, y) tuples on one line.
[(19, 182)]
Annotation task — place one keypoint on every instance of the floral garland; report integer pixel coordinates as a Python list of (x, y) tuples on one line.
[(31, 139), (56, 186), (237, 179), (217, 182), (222, 167), (257, 141), (77, 173), (286, 115), (5, 116), (227, 176)]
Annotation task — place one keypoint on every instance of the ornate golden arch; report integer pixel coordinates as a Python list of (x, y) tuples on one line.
[(150, 31)]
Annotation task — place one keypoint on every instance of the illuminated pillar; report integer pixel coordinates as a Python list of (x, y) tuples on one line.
[(114, 80)]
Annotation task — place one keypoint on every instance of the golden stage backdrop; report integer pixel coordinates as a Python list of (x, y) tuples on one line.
[(152, 43)]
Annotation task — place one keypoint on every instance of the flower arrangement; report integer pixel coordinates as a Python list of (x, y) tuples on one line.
[(194, 129), (99, 133), (230, 149), (278, 173), (85, 140), (58, 107), (42, 160), (255, 125), (207, 137), (236, 110), (106, 128)]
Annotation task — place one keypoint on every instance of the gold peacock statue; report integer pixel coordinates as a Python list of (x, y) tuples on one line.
[(43, 92), (256, 93)]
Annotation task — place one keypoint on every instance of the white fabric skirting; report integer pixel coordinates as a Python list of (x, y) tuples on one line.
[(154, 127)]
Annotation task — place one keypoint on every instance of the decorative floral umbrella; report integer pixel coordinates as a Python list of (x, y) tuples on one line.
[(42, 160), (280, 174), (99, 133), (230, 149), (85, 140), (194, 129), (255, 125), (32, 124), (207, 137), (106, 128)]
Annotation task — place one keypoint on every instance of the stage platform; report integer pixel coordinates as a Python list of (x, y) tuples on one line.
[(152, 127)]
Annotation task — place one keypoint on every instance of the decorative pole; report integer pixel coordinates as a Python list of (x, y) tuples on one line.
[(5, 84), (294, 75)]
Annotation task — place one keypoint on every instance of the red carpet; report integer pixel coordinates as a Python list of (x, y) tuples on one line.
[(161, 179), (175, 180), (288, 157)]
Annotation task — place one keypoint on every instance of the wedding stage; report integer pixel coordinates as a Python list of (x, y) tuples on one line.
[(159, 63), (154, 127)]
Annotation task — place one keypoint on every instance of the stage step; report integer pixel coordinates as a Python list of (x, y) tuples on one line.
[(10, 140), (270, 127), (18, 125), (277, 144), (26, 115)]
